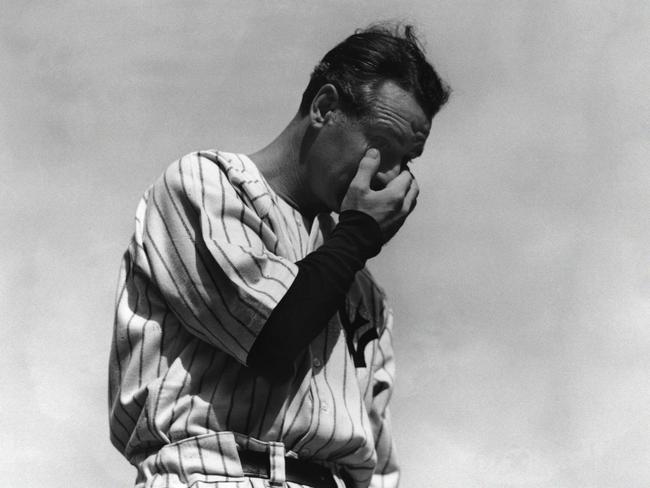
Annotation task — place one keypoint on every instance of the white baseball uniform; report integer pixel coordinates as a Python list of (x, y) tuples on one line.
[(213, 252)]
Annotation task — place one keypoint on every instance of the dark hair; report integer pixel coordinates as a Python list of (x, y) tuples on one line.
[(368, 58)]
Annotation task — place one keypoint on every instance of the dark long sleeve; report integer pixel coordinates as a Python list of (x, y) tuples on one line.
[(324, 277)]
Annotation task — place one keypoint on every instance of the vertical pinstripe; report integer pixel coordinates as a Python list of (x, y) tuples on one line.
[(212, 254)]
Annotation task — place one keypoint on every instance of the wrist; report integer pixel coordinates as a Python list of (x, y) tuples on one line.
[(363, 230)]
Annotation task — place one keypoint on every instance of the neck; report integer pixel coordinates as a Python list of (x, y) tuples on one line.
[(283, 168)]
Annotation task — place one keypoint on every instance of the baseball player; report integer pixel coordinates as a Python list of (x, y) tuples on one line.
[(251, 346)]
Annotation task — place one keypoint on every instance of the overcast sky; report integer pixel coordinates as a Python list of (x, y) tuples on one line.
[(521, 284)]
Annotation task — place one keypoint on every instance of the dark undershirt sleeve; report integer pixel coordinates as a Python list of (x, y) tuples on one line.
[(324, 278)]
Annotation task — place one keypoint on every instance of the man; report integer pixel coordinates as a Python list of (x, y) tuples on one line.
[(251, 347)]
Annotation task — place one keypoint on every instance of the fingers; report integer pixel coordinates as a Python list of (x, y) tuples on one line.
[(406, 188), (401, 184), (368, 167)]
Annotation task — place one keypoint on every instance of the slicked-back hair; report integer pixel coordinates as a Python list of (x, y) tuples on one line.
[(360, 64)]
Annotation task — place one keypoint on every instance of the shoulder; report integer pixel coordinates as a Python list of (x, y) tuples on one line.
[(215, 180), (197, 173), (196, 165)]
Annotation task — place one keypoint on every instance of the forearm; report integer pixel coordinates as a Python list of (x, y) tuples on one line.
[(324, 277)]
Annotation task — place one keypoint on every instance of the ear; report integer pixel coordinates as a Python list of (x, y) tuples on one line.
[(322, 108)]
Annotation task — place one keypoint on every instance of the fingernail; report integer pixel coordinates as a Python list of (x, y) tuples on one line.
[(372, 152)]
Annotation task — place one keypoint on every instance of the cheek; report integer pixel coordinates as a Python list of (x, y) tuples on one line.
[(333, 183)]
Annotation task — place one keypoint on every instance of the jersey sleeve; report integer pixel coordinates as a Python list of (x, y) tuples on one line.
[(386, 473), (211, 254)]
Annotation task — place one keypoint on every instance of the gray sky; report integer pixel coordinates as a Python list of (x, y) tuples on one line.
[(521, 284)]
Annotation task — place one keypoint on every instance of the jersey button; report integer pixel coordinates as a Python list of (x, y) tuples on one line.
[(324, 407), (317, 362)]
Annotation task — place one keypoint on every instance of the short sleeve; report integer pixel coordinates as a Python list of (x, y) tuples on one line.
[(210, 247)]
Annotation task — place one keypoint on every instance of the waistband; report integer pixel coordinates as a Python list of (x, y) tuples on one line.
[(228, 456)]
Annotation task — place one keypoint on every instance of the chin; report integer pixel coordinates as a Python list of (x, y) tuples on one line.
[(336, 207)]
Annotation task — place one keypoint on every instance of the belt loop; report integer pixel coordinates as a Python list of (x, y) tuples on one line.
[(277, 474)]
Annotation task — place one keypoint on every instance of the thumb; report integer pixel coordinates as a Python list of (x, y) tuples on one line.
[(368, 167)]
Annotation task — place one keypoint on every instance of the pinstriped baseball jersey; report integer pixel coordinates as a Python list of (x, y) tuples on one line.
[(213, 252)]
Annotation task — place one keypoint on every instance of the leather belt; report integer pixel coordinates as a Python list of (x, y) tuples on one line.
[(257, 465)]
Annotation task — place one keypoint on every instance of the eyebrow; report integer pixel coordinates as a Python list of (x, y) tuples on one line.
[(420, 139), (397, 132), (400, 134)]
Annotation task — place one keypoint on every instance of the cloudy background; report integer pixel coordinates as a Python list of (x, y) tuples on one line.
[(521, 285)]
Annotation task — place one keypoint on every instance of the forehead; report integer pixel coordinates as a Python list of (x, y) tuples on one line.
[(395, 111)]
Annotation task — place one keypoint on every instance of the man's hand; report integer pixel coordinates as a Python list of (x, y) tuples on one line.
[(389, 206)]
